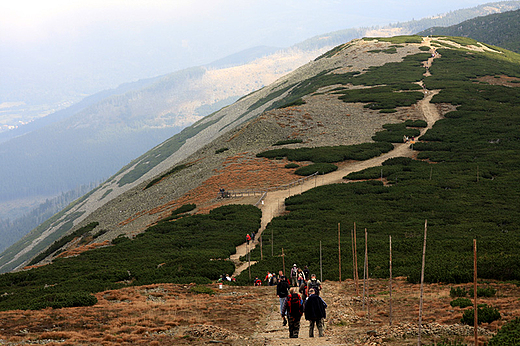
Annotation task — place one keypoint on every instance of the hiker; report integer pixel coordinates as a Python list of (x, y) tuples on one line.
[(294, 273), (253, 236), (257, 281), (268, 277), (282, 291), (274, 280), (306, 272), (315, 284), (293, 305), (300, 277), (228, 278), (303, 290), (248, 238), (315, 312)]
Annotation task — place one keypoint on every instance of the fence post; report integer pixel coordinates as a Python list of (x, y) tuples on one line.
[(355, 261), (390, 290), (339, 250), (475, 322), (422, 282), (321, 265)]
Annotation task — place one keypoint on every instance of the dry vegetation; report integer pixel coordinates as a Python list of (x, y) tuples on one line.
[(169, 314)]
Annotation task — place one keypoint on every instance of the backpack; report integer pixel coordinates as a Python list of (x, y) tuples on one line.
[(294, 305), (314, 284)]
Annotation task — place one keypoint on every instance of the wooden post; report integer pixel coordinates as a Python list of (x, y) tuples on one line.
[(366, 270), (422, 282), (355, 261), (321, 265), (283, 263), (475, 322), (249, 260), (353, 255), (339, 250), (390, 282), (261, 249)]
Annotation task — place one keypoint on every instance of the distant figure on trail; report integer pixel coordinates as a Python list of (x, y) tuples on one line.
[(274, 280), (257, 281), (315, 312), (303, 290), (248, 238), (315, 284), (253, 236), (282, 291), (294, 274), (268, 278), (228, 278), (306, 272), (300, 277), (293, 305)]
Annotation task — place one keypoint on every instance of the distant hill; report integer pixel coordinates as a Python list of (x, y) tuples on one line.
[(500, 29)]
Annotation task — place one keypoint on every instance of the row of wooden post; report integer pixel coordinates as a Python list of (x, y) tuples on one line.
[(365, 274)]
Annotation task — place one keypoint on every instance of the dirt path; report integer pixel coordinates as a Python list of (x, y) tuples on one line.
[(273, 203)]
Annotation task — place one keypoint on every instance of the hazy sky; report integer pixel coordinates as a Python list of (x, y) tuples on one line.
[(82, 46)]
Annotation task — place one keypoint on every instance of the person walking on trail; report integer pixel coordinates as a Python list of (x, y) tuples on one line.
[(307, 273), (293, 305), (282, 291), (294, 275), (301, 277), (315, 284), (253, 236), (315, 312), (303, 290), (248, 238)]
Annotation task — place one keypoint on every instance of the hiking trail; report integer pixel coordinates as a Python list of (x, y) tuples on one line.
[(273, 203)]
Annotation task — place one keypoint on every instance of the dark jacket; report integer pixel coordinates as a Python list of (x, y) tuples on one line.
[(315, 308), (282, 289)]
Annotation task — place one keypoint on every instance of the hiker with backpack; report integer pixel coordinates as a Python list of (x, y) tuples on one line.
[(282, 291), (315, 284), (293, 305), (248, 238), (294, 275), (315, 312)]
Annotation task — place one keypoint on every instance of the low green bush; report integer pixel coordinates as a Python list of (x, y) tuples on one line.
[(483, 292), (461, 302), (485, 314), (458, 292), (199, 289), (320, 168), (61, 300), (288, 141), (221, 150), (508, 335), (292, 165)]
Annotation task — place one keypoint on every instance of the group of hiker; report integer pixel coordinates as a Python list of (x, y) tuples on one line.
[(301, 299)]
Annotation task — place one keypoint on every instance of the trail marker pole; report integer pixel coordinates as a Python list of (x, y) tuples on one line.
[(390, 283), (355, 261), (475, 322), (283, 262), (249, 260), (321, 265), (366, 271), (261, 249), (353, 255), (422, 282), (339, 250)]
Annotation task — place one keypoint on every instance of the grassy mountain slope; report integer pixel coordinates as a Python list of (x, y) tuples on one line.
[(462, 180), (501, 29), (162, 158)]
